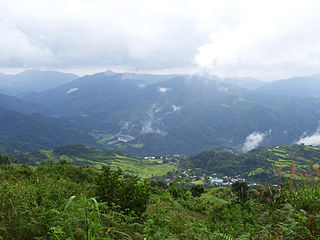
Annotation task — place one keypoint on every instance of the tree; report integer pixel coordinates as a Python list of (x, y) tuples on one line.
[(4, 159), (197, 190), (129, 193), (241, 190)]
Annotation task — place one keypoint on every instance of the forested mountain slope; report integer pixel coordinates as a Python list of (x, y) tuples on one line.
[(151, 114), (27, 132)]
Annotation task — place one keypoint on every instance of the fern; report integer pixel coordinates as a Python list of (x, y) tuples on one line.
[(222, 236)]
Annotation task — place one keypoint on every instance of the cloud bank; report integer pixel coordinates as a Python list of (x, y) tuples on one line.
[(313, 140), (278, 36), (253, 140), (264, 39)]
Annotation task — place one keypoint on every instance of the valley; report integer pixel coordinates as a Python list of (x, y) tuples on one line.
[(264, 165), (171, 114), (159, 120), (159, 157)]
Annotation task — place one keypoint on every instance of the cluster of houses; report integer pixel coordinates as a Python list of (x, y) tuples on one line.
[(192, 177), (225, 181)]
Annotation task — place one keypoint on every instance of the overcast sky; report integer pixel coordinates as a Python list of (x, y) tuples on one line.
[(264, 39)]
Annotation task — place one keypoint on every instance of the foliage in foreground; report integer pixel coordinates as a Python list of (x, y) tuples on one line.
[(69, 202)]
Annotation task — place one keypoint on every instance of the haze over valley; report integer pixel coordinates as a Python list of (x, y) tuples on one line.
[(145, 114)]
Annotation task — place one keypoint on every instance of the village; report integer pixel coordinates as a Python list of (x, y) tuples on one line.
[(193, 177)]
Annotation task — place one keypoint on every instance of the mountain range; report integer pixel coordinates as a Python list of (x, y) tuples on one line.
[(145, 114), (32, 81)]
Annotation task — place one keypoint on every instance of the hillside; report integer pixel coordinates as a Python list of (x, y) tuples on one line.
[(78, 96), (57, 201), (261, 164), (305, 86), (246, 83), (139, 115), (19, 105), (142, 114), (28, 132), (84, 155), (33, 81)]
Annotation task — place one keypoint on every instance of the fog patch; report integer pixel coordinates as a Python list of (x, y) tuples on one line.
[(123, 134), (152, 122), (313, 140), (176, 108), (141, 85), (163, 89), (72, 90), (253, 140)]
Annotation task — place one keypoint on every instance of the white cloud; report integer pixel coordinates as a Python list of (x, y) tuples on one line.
[(140, 35), (314, 139), (72, 90), (152, 122), (231, 38), (176, 108), (253, 140), (273, 39), (163, 89)]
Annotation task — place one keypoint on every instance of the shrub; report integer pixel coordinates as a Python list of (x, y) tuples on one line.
[(128, 193), (197, 190)]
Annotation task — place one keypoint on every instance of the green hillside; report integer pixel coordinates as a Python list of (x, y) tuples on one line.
[(263, 164), (81, 155), (63, 201), (176, 114), (22, 132), (281, 157), (259, 165)]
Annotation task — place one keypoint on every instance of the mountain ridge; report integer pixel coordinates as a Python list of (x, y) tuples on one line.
[(177, 113), (33, 80)]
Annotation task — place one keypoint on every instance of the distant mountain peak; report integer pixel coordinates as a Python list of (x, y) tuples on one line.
[(109, 73)]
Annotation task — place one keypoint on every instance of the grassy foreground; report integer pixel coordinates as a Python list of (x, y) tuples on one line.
[(63, 201)]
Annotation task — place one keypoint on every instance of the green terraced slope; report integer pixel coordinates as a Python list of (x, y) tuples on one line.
[(81, 155), (261, 164), (282, 156)]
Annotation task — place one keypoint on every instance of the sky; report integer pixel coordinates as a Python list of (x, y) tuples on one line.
[(231, 38)]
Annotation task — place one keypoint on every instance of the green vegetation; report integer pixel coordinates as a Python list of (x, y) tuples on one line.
[(81, 155), (22, 132), (198, 182), (259, 164), (104, 139), (63, 201), (127, 192)]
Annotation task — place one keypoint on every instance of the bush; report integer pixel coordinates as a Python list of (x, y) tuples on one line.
[(197, 190), (128, 193)]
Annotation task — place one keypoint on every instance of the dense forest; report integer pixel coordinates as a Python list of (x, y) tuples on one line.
[(63, 201)]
